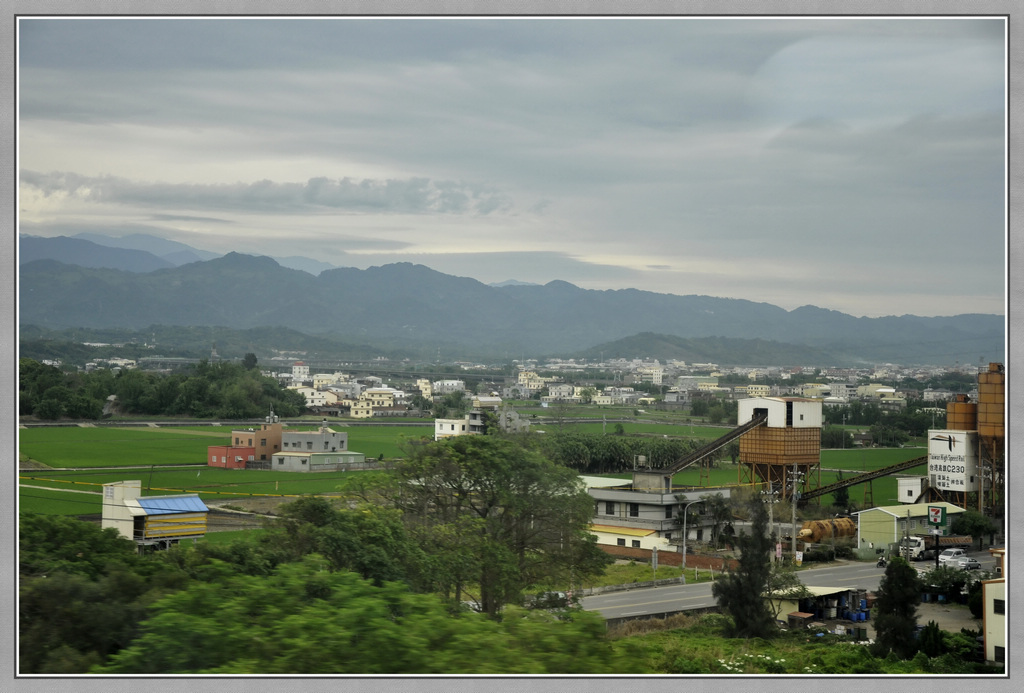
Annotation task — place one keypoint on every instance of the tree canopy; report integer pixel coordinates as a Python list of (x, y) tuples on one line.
[(498, 515), (895, 610), (304, 618), (741, 592)]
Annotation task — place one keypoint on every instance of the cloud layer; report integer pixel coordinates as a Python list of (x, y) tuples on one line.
[(856, 164)]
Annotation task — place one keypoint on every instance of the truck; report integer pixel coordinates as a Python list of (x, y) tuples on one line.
[(817, 531), (922, 547)]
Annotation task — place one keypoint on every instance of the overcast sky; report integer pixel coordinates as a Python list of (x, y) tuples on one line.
[(849, 163)]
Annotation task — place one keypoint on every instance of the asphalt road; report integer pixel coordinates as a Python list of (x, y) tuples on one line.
[(672, 598)]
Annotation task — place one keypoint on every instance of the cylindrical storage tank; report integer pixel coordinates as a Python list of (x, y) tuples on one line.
[(961, 415), (992, 401)]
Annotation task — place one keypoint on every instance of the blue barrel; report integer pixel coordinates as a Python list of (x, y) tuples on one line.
[(863, 603)]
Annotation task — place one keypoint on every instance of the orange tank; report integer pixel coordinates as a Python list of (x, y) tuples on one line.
[(992, 401), (815, 531)]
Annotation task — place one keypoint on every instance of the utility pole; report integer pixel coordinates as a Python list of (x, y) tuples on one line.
[(771, 498), (794, 496), (685, 507)]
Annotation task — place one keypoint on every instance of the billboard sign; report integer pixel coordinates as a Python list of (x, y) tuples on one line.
[(953, 460)]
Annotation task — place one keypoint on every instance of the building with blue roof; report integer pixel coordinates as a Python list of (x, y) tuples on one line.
[(155, 521)]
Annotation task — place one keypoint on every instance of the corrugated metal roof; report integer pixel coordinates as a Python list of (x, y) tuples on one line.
[(914, 509), (163, 505)]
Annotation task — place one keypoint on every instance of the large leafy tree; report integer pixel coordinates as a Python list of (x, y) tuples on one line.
[(81, 594), (304, 619), (895, 610), (741, 592), (973, 523), (507, 515)]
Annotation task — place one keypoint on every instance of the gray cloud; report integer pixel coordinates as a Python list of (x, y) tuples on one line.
[(415, 196), (790, 160)]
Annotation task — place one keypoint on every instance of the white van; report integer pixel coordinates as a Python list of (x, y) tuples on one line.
[(951, 555)]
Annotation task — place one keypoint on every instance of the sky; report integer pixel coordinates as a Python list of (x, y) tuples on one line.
[(856, 164)]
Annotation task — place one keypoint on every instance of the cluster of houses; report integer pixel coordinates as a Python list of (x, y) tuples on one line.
[(271, 447), (339, 394)]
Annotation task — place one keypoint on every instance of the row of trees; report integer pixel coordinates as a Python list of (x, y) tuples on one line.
[(208, 390), (595, 453)]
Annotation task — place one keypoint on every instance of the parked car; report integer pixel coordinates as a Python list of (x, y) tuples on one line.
[(951, 555), (968, 563), (554, 600)]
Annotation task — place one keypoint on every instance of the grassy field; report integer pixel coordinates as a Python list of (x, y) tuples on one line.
[(210, 483), (76, 447), (153, 450)]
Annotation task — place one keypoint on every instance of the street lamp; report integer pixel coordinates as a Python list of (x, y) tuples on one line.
[(685, 508)]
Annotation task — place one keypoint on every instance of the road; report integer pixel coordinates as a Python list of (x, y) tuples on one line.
[(672, 598)]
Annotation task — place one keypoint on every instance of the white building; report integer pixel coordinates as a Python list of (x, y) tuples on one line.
[(300, 372), (317, 398), (444, 387)]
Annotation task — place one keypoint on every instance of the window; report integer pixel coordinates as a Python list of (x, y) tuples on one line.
[(999, 606), (999, 654), (636, 543), (910, 493), (634, 510), (280, 461), (263, 442), (668, 512), (668, 535), (609, 508), (309, 444), (620, 542)]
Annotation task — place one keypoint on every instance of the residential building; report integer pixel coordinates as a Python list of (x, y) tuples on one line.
[(993, 628), (815, 390), (448, 428), (322, 439), (300, 372), (445, 387), (230, 456), (758, 390), (628, 516), (317, 461), (249, 444), (475, 422)]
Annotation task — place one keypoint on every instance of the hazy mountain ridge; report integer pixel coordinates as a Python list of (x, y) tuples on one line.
[(413, 307)]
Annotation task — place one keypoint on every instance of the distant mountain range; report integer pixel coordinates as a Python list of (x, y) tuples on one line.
[(78, 282)]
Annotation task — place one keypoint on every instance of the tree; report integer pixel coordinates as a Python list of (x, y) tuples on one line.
[(895, 610), (249, 361), (973, 523), (512, 515), (302, 619), (741, 592)]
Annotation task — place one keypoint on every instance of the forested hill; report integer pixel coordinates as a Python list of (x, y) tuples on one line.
[(411, 306)]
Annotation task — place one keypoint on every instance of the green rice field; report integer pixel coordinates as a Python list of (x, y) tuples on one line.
[(76, 447), (154, 455)]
